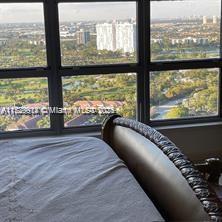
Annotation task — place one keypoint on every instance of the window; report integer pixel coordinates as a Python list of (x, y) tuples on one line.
[(184, 93), (22, 35), (98, 33), (75, 62), (184, 63), (21, 101), (188, 29), (90, 98)]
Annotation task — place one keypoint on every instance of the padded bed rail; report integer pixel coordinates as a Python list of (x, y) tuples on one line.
[(163, 171)]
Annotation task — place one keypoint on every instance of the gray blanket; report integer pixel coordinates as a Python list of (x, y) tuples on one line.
[(68, 179)]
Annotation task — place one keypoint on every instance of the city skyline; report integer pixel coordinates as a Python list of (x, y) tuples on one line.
[(19, 12)]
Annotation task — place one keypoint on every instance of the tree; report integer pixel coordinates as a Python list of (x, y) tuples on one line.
[(44, 122), (177, 112)]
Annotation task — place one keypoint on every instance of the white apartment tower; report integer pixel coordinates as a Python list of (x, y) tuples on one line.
[(205, 20), (126, 37), (215, 20), (116, 36), (106, 36)]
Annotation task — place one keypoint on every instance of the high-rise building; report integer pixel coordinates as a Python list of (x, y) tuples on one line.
[(126, 37), (205, 20), (82, 37), (215, 19), (116, 36), (106, 36)]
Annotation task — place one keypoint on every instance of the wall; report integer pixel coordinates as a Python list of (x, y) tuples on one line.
[(197, 142)]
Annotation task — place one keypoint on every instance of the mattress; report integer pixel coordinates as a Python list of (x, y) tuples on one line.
[(68, 179)]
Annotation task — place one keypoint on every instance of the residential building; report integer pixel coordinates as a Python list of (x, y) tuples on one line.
[(215, 19), (159, 41), (38, 42), (116, 36), (106, 36), (205, 20), (82, 37), (126, 37)]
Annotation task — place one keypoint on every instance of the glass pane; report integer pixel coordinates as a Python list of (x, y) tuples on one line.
[(98, 33), (187, 29), (20, 101), (88, 99), (184, 93), (22, 35)]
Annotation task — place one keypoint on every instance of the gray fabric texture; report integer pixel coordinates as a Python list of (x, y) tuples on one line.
[(68, 179)]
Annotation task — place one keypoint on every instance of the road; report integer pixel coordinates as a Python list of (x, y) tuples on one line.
[(165, 108)]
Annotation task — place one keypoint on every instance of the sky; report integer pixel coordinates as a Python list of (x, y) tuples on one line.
[(33, 12), (186, 8)]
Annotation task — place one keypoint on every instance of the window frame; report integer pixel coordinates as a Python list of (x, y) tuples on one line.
[(101, 66), (55, 71), (107, 68), (183, 65)]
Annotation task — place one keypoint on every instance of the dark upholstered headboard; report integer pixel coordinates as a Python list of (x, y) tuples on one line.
[(166, 175)]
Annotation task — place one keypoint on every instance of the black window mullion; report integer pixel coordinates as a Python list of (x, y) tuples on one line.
[(220, 71), (189, 64), (54, 62), (147, 62), (141, 60), (106, 69), (23, 73)]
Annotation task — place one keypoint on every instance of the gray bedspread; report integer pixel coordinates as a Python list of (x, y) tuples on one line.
[(68, 179)]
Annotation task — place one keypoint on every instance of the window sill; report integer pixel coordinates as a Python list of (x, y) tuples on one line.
[(191, 125)]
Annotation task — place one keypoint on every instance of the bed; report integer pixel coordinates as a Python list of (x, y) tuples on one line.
[(68, 179), (133, 174)]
